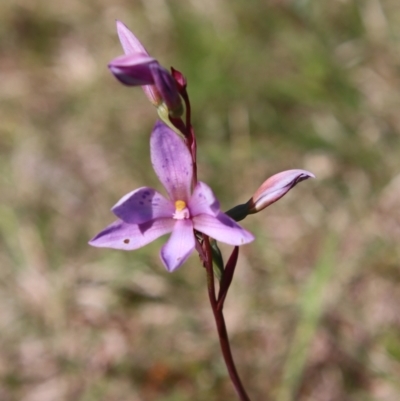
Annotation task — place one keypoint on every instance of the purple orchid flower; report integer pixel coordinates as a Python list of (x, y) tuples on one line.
[(145, 214), (136, 67)]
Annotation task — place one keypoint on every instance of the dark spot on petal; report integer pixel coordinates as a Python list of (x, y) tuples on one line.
[(141, 202), (126, 241)]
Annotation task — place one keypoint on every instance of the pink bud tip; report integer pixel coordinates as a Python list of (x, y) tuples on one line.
[(275, 187)]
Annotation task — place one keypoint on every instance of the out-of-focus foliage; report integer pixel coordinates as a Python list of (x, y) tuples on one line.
[(314, 308)]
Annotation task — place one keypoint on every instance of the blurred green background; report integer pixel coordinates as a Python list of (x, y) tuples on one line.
[(314, 309)]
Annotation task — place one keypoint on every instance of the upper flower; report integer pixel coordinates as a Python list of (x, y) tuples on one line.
[(145, 214), (136, 67)]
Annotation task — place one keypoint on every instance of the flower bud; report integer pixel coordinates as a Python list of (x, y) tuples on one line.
[(275, 187), (179, 79), (270, 191)]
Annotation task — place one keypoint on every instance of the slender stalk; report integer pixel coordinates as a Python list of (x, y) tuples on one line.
[(227, 277), (208, 263), (221, 327), (192, 137)]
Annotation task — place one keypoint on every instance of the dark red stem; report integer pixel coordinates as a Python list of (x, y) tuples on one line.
[(191, 137), (221, 326), (227, 277), (206, 256)]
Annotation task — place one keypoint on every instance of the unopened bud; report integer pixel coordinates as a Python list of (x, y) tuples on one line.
[(269, 192), (275, 187), (179, 79)]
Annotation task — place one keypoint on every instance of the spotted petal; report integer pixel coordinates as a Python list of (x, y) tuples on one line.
[(222, 228), (143, 205), (179, 246), (203, 200), (120, 235), (172, 162)]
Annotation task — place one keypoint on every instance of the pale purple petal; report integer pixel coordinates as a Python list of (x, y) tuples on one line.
[(130, 43), (275, 187), (203, 200), (222, 228), (179, 246), (120, 235), (152, 94), (142, 205), (133, 69), (172, 162)]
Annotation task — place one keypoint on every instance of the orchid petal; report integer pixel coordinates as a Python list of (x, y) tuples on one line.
[(172, 162), (222, 228), (130, 43), (143, 205), (152, 94), (121, 235), (275, 187), (166, 86), (179, 246), (133, 69), (203, 200)]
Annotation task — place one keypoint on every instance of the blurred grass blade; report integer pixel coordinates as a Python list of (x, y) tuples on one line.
[(311, 307)]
